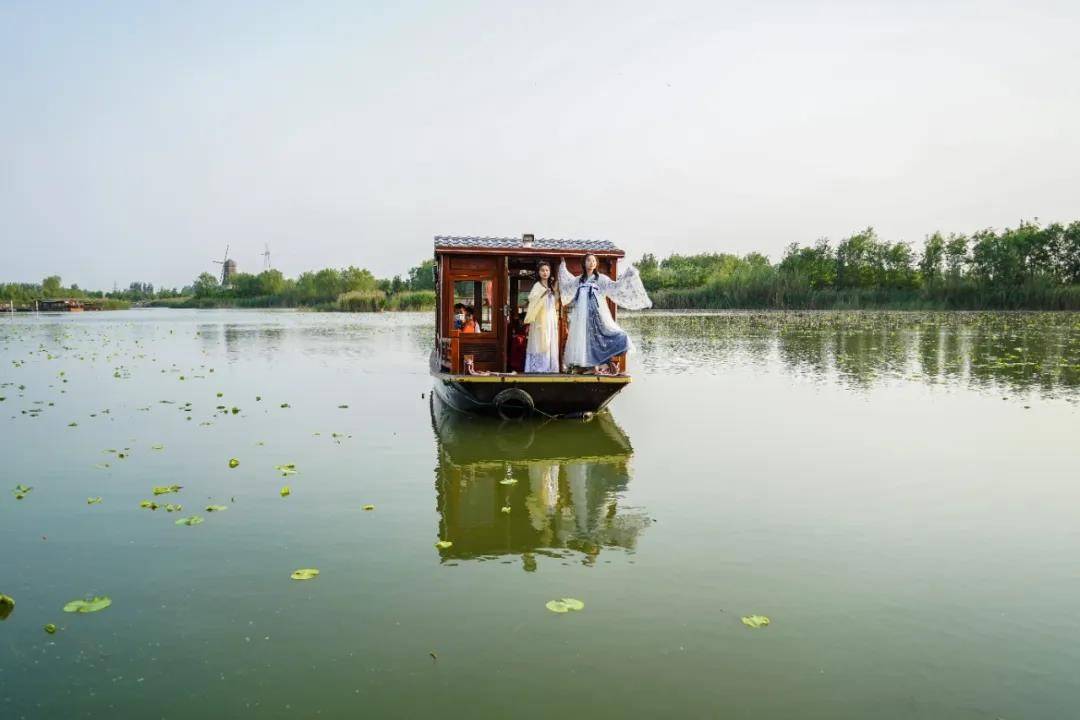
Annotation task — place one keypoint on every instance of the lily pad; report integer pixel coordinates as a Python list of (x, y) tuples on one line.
[(216, 508), (93, 500), (557, 606), (573, 604), (286, 491), (148, 504), (443, 544), (166, 489), (173, 508), (193, 520), (305, 574), (88, 606), (755, 621), (286, 469), (505, 509), (233, 462), (368, 507), (7, 604), (508, 481), (50, 628), (157, 446)]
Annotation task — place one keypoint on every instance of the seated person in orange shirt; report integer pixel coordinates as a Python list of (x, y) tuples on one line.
[(470, 325)]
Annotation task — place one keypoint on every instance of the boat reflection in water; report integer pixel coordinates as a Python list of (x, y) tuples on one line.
[(532, 489)]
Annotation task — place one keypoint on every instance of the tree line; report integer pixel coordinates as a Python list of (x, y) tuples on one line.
[(349, 288), (1030, 266)]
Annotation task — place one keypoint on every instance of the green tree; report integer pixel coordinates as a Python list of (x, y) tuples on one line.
[(1068, 259), (205, 285), (271, 282), (897, 262), (422, 277), (933, 257), (860, 260), (956, 255), (245, 285), (51, 287), (817, 264), (354, 278)]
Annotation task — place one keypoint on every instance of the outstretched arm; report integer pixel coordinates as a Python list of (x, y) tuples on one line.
[(567, 284), (627, 292)]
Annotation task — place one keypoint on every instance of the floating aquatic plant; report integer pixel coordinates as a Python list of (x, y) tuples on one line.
[(233, 462), (157, 446), (305, 574), (193, 520), (286, 491), (7, 604), (508, 481), (93, 500), (216, 508), (166, 489), (50, 628), (564, 605), (148, 504), (368, 507), (20, 491), (444, 544), (755, 621), (88, 606)]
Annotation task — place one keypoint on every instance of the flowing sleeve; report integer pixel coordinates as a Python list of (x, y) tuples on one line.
[(568, 284), (536, 302), (627, 292)]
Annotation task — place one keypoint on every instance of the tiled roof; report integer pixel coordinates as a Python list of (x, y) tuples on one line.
[(498, 243)]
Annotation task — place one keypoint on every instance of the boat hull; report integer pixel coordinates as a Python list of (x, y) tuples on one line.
[(518, 396)]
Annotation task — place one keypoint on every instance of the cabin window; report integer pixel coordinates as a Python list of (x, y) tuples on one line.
[(476, 294)]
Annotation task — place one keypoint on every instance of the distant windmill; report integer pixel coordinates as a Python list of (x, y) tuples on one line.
[(228, 268), (266, 257)]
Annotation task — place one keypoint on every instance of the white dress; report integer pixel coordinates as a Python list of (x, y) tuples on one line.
[(594, 337)]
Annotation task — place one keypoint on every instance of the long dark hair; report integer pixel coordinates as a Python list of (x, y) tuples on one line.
[(584, 272), (551, 274)]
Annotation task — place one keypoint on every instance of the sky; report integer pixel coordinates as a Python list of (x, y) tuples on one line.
[(138, 139)]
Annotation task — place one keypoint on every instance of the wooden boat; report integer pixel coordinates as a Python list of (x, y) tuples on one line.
[(494, 275)]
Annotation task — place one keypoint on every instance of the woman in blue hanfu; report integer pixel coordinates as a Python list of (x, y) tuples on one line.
[(594, 338)]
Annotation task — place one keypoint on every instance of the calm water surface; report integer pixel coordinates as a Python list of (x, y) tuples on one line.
[(899, 493)]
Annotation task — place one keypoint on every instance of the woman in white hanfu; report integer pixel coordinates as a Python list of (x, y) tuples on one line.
[(594, 337), (542, 317)]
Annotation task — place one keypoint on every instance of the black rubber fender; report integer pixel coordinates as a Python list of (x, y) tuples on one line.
[(513, 404)]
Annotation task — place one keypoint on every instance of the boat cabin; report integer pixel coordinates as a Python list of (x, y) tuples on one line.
[(492, 277)]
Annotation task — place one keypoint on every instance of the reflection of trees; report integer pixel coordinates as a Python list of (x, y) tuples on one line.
[(1017, 351), (562, 483)]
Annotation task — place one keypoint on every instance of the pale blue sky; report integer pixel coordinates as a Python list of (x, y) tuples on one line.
[(137, 139)]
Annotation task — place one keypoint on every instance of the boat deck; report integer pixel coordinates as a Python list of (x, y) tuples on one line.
[(522, 378)]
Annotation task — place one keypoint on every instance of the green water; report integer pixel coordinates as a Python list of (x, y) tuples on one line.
[(899, 493)]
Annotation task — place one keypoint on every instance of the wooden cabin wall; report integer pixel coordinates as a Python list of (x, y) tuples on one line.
[(487, 348)]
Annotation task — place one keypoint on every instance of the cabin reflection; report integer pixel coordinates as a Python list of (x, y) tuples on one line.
[(532, 489)]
